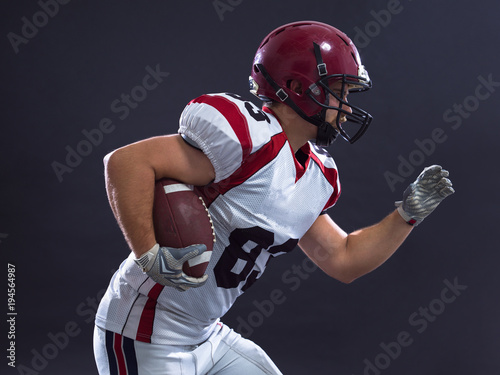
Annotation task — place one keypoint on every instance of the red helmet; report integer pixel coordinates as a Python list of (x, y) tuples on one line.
[(315, 54)]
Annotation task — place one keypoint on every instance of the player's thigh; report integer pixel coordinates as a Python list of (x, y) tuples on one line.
[(116, 354), (242, 357), (100, 352)]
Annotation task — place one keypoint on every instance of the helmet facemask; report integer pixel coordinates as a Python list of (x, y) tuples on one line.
[(356, 118), (355, 115)]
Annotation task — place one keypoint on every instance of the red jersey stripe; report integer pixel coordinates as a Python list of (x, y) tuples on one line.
[(249, 167), (145, 328), (233, 116), (331, 175)]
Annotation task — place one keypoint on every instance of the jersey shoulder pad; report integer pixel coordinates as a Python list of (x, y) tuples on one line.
[(227, 129)]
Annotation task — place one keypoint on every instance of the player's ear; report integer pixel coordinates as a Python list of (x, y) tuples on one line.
[(295, 86)]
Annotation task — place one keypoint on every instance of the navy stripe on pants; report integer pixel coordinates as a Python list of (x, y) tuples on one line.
[(127, 352)]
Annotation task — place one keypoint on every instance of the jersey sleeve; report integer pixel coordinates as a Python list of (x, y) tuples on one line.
[(217, 126), (336, 192), (330, 171)]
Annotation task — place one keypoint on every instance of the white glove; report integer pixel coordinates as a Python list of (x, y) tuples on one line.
[(164, 265), (425, 194)]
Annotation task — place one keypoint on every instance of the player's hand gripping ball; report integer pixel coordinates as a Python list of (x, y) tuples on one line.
[(422, 196), (164, 265), (185, 234)]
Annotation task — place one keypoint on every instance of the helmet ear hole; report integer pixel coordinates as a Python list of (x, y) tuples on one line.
[(256, 69), (295, 86)]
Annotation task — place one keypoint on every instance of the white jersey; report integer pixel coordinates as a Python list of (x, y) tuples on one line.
[(262, 202)]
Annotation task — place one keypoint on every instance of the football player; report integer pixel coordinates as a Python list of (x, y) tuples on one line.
[(267, 181)]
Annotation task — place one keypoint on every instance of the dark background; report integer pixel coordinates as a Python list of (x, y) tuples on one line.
[(424, 58)]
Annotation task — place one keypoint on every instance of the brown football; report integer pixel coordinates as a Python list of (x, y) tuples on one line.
[(180, 219)]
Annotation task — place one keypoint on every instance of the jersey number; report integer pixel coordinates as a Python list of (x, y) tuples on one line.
[(239, 257), (253, 111)]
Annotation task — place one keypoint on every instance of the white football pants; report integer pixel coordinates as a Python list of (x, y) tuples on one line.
[(224, 353)]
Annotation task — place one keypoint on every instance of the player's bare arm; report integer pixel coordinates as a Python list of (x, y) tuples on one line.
[(347, 257), (130, 175)]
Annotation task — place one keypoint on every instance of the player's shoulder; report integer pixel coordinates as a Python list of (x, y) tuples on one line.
[(227, 128), (230, 115), (233, 107)]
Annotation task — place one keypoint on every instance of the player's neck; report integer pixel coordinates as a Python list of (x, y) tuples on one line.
[(297, 130), (296, 139)]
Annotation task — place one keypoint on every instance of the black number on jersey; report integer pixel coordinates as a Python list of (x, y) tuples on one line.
[(253, 111), (236, 254)]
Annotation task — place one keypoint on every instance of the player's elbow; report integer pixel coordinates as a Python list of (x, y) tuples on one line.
[(344, 273), (111, 160), (107, 158), (115, 162), (349, 275), (345, 279), (338, 268)]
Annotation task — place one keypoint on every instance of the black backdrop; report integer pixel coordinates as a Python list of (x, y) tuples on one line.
[(431, 309)]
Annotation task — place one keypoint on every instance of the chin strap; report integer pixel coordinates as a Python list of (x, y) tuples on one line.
[(326, 132)]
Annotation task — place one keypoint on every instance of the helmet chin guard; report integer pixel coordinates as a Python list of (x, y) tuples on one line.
[(317, 55), (327, 134)]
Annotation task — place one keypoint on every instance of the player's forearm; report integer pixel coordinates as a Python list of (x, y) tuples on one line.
[(129, 184), (368, 248)]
